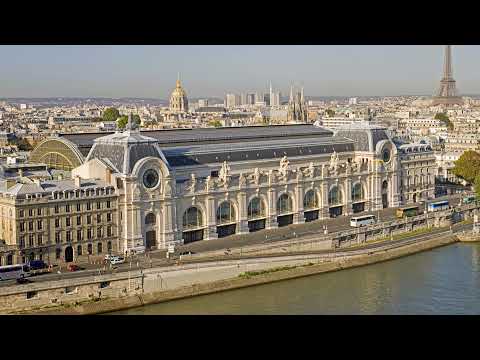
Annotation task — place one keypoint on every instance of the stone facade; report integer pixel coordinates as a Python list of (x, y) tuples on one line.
[(203, 188), (58, 221)]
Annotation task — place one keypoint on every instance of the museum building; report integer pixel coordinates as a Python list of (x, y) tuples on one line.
[(179, 186)]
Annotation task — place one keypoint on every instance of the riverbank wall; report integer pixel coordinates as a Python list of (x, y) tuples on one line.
[(156, 287)]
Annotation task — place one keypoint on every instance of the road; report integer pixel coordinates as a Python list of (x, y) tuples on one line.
[(144, 262)]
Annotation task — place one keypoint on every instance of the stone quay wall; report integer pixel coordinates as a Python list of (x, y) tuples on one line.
[(191, 280), (65, 293)]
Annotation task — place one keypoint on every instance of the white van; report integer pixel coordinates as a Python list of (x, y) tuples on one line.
[(114, 260)]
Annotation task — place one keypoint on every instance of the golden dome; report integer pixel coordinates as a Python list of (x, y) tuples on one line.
[(178, 91)]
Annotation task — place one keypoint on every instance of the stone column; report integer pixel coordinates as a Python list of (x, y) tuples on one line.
[(377, 192), (298, 216), (348, 196), (242, 213), (168, 237), (271, 222), (324, 212), (211, 230), (395, 188)]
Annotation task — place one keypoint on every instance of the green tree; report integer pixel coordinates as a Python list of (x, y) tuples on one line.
[(23, 145), (467, 167), (477, 185), (110, 114), (215, 123), (330, 112), (123, 121), (445, 119)]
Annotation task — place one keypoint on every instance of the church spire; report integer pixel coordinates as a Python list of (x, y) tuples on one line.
[(178, 80)]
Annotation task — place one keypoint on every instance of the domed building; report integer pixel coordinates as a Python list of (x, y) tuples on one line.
[(178, 99), (152, 189)]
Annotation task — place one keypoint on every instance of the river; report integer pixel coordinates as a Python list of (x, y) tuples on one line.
[(445, 280)]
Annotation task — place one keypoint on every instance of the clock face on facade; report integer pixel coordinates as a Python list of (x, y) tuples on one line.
[(150, 178), (386, 155)]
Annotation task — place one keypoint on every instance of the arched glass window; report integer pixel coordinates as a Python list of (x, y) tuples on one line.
[(10, 259), (89, 249), (79, 250), (100, 248), (284, 204), (334, 196), (225, 213), (150, 219), (109, 246), (256, 208), (310, 200), (357, 192), (192, 218)]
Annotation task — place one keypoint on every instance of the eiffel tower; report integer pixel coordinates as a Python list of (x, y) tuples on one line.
[(447, 93)]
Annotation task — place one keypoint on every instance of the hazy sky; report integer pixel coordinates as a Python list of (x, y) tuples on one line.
[(151, 71)]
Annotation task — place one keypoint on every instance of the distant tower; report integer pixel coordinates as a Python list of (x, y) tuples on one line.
[(178, 99), (447, 93), (272, 101), (297, 107)]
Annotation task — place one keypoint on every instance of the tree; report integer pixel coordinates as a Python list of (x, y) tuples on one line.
[(24, 145), (467, 167), (330, 112), (110, 114), (123, 121), (477, 185), (215, 123), (445, 119)]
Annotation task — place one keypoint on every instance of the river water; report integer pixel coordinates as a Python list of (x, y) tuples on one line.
[(445, 280)]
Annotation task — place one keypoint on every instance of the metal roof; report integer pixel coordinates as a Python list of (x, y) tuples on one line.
[(176, 137), (261, 150)]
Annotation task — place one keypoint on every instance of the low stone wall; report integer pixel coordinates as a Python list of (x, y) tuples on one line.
[(66, 293), (310, 267)]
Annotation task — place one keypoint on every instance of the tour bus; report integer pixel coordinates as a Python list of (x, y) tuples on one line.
[(17, 271), (407, 211), (469, 199), (358, 221), (439, 205)]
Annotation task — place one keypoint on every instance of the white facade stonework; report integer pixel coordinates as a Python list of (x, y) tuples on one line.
[(209, 183), (201, 194)]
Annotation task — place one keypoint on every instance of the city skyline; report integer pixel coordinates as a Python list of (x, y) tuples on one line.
[(213, 71)]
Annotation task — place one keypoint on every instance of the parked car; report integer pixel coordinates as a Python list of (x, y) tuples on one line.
[(117, 260), (37, 265), (73, 267), (187, 253), (108, 256)]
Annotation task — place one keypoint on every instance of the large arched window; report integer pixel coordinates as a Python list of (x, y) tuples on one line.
[(192, 218), (150, 219), (334, 196), (256, 208), (284, 204), (225, 213), (310, 201), (357, 192), (385, 185)]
